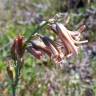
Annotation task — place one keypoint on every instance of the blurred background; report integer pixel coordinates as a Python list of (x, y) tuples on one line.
[(44, 78)]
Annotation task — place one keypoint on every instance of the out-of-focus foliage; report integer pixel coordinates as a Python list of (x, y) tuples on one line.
[(44, 78)]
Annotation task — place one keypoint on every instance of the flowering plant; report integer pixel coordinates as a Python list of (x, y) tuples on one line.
[(65, 45)]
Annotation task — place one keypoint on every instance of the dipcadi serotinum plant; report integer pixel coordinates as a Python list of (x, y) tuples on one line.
[(65, 45)]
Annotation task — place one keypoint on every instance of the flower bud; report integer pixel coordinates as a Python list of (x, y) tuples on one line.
[(11, 72), (17, 49)]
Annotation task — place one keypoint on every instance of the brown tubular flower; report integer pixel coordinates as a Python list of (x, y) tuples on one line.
[(36, 53), (66, 39), (39, 45), (44, 45), (17, 49), (69, 39), (38, 49), (55, 54)]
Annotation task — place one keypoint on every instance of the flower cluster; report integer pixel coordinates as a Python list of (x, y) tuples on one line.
[(66, 44)]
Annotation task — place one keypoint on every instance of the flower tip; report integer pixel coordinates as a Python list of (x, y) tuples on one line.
[(17, 49), (82, 28)]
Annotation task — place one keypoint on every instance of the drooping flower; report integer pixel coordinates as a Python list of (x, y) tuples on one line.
[(38, 49), (55, 53), (44, 45)]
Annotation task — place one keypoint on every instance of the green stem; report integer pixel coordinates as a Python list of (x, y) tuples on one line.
[(15, 83), (35, 31), (17, 75), (13, 90)]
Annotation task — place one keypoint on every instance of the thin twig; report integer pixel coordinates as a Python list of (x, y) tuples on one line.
[(35, 31)]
